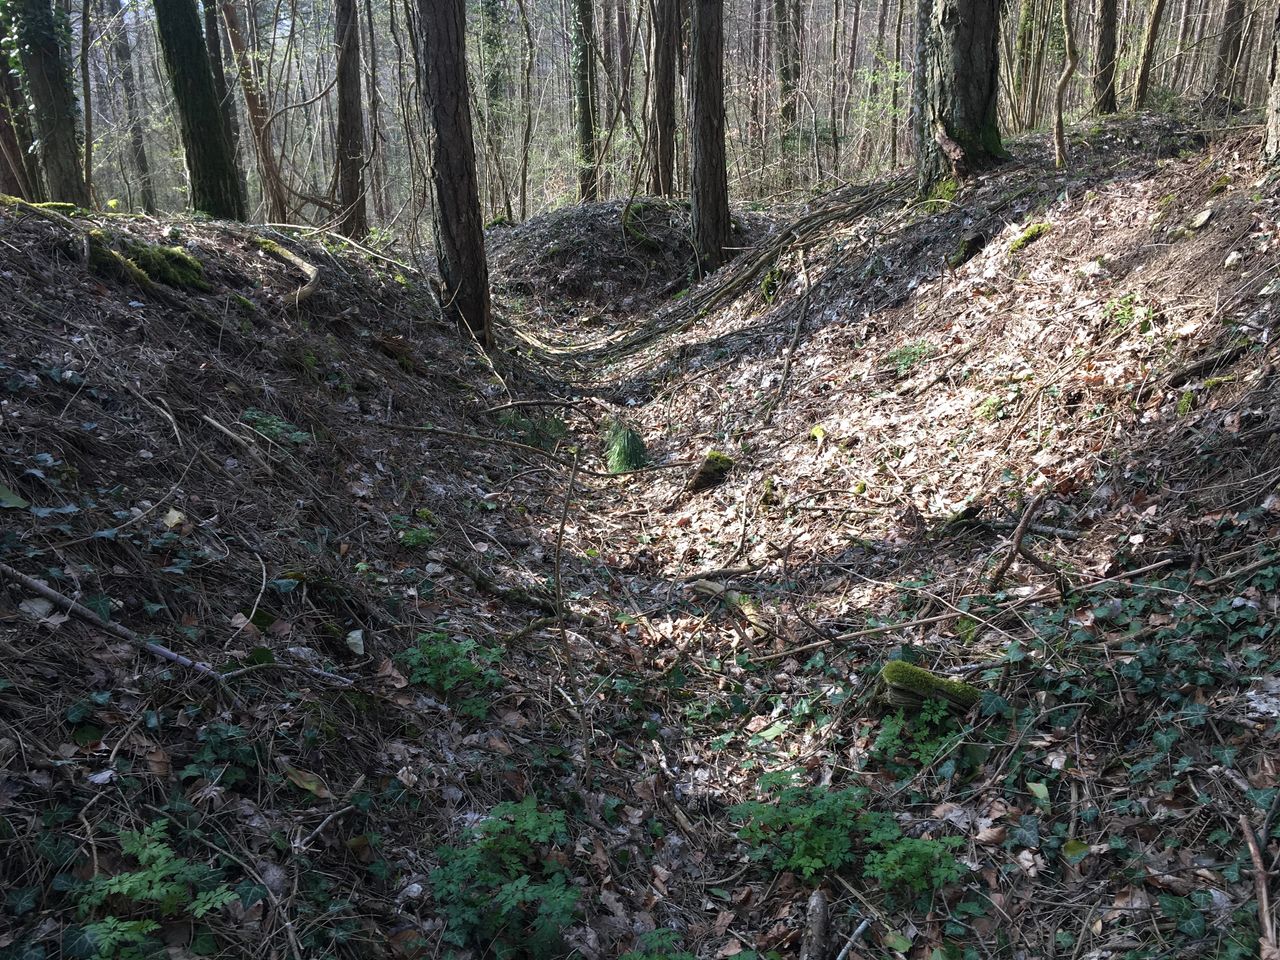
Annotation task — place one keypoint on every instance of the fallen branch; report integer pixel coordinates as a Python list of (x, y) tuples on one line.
[(1015, 546), (115, 629)]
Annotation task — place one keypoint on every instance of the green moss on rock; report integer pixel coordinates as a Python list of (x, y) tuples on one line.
[(909, 683)]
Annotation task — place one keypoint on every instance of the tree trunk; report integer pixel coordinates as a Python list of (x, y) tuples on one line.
[(710, 200), (47, 72), (1226, 62), (19, 174), (666, 37), (459, 229), (584, 86), (961, 65), (228, 114), (1149, 37), (122, 51), (786, 19), (1060, 91), (273, 188), (1272, 147), (353, 211), (211, 166), (86, 94), (1104, 67)]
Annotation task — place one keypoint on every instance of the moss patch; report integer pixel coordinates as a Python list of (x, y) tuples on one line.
[(1029, 236), (908, 681), (144, 264)]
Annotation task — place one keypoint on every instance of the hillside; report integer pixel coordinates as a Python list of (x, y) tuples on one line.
[(468, 691)]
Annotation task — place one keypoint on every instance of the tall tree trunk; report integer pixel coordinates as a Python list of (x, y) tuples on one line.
[(353, 210), (122, 52), (274, 191), (211, 163), (624, 58), (459, 228), (960, 136), (1227, 60), (19, 172), (47, 72), (584, 87), (526, 95), (786, 21), (228, 115), (710, 199), (666, 38), (1060, 91), (86, 93), (1271, 149), (1104, 66), (1149, 36)]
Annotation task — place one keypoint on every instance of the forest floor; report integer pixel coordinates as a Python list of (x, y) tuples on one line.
[(470, 692)]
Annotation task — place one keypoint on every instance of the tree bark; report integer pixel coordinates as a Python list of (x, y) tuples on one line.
[(786, 19), (1271, 148), (1228, 55), (459, 229), (217, 62), (1060, 91), (1149, 37), (666, 38), (710, 199), (353, 211), (584, 86), (1104, 67), (960, 136), (273, 188), (19, 173), (122, 51), (47, 72), (211, 166)]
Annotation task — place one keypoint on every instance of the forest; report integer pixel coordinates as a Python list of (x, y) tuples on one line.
[(639, 479)]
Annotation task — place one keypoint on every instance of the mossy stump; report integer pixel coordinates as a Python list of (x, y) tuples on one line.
[(907, 685), (715, 466)]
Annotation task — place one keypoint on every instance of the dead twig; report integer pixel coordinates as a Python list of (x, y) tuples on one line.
[(1015, 544)]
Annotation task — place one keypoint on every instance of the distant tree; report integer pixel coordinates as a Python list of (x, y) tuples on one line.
[(787, 24), (122, 52), (666, 43), (710, 201), (1104, 66), (1226, 61), (1150, 35), (1272, 146), (46, 71), (19, 173), (584, 92), (1060, 91), (956, 129), (459, 229), (353, 217), (211, 162)]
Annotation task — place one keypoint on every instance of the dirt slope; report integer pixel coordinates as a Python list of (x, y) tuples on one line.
[(231, 473)]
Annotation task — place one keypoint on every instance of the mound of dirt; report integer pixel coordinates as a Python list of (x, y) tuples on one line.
[(611, 259)]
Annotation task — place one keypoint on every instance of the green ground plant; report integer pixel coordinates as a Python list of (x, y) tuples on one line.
[(461, 670), (163, 885), (499, 893)]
